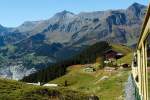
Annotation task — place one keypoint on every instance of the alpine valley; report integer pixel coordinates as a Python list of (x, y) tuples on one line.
[(34, 45)]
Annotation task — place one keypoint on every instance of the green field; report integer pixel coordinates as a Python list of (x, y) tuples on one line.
[(126, 59), (14, 90), (121, 48), (91, 83), (126, 51)]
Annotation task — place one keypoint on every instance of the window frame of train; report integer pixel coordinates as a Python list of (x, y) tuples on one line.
[(142, 71), (136, 90), (147, 43), (134, 62), (137, 95)]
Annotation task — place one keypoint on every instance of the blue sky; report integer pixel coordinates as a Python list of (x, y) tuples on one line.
[(15, 12)]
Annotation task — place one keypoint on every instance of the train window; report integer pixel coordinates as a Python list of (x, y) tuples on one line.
[(137, 78), (134, 63)]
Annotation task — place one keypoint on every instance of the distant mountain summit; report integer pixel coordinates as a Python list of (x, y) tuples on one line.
[(64, 14), (27, 26), (136, 6), (136, 9)]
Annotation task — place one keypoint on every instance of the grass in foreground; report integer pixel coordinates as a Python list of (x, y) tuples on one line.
[(13, 90), (107, 89)]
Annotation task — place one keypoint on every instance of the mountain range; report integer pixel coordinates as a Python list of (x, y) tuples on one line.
[(34, 45)]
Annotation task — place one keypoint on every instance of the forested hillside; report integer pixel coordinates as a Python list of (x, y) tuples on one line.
[(88, 55)]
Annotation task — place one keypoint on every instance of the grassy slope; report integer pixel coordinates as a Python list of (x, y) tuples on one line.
[(121, 48), (109, 89), (89, 82), (13, 90), (126, 51), (126, 59)]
